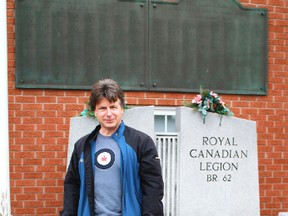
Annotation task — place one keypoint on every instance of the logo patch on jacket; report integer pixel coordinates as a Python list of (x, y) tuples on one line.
[(104, 158)]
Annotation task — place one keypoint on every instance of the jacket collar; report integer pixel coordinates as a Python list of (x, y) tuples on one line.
[(118, 133)]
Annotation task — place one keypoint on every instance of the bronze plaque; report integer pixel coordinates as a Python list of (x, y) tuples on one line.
[(216, 44), (157, 45), (70, 44)]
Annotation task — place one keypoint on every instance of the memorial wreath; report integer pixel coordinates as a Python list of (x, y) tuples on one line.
[(209, 101)]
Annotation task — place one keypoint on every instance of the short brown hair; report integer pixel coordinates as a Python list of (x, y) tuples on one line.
[(106, 88)]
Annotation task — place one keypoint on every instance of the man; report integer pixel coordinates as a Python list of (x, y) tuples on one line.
[(114, 170)]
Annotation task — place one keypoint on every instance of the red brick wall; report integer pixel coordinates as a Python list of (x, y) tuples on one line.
[(39, 123)]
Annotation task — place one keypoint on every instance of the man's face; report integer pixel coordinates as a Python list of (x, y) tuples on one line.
[(109, 116)]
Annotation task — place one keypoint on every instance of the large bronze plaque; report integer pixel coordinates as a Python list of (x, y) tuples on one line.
[(70, 44), (216, 44), (156, 45)]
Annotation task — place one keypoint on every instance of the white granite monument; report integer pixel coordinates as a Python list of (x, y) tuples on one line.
[(218, 165), (217, 162)]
